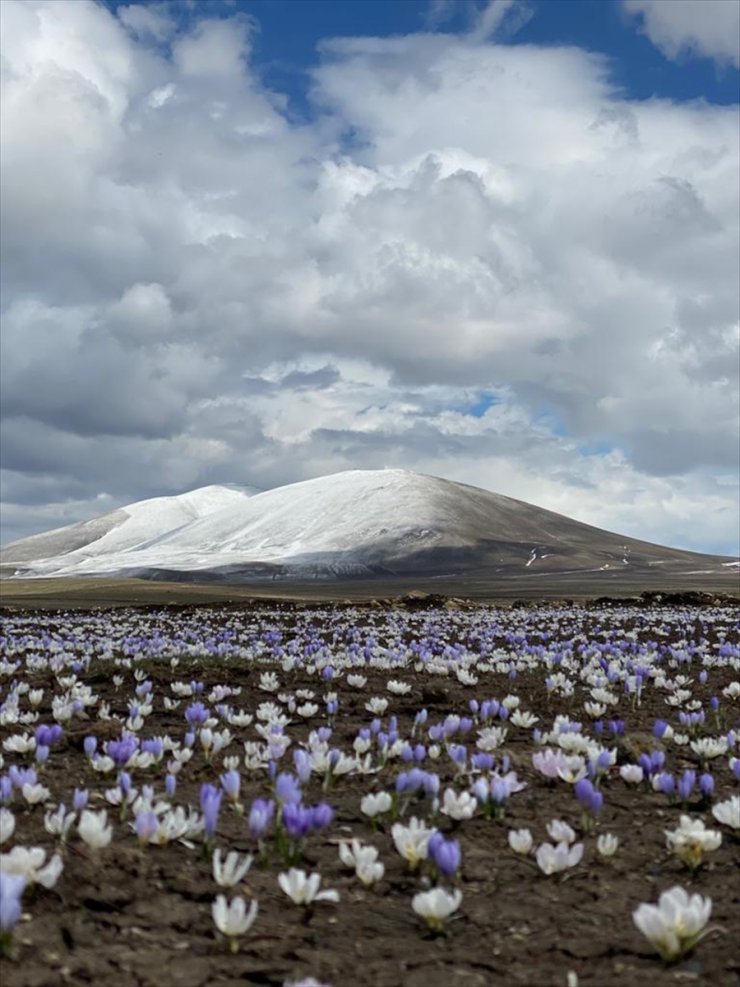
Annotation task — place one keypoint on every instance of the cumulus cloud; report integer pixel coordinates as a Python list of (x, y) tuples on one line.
[(478, 260), (698, 28)]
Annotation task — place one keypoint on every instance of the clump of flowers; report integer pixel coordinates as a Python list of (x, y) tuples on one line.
[(676, 924), (553, 859), (691, 841)]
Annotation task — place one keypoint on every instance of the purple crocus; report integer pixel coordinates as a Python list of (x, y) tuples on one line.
[(260, 817), (11, 892), (231, 783), (79, 799), (210, 804), (196, 714), (590, 797), (445, 854), (145, 825), (685, 785), (287, 789), (297, 820), (322, 816)]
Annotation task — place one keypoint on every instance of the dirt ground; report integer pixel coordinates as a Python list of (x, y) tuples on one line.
[(128, 916)]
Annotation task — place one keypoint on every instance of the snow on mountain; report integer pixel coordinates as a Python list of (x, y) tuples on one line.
[(124, 528), (359, 522)]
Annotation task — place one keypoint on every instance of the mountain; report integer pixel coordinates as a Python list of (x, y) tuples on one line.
[(124, 528), (360, 523)]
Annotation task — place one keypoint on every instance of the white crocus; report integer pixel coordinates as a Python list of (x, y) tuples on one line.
[(676, 924), (7, 825), (491, 738), (412, 841), (709, 747), (436, 905), (31, 863), (363, 860), (229, 871), (377, 705), (94, 829), (607, 844), (304, 889), (522, 719), (458, 806), (560, 832), (233, 919), (33, 794), (728, 812), (553, 859), (377, 804), (59, 822), (691, 840), (520, 841), (398, 688), (356, 681), (632, 774)]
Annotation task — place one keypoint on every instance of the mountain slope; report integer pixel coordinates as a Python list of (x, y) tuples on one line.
[(360, 523), (125, 527)]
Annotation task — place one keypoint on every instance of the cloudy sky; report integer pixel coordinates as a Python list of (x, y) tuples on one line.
[(257, 242)]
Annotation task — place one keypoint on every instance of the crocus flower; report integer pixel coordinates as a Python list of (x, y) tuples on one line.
[(303, 889), (228, 872), (691, 840), (436, 906), (445, 854), (12, 887), (727, 812), (607, 844), (7, 825), (373, 805), (94, 829), (553, 859), (210, 804), (520, 841), (458, 806), (676, 924), (232, 919), (31, 863), (260, 817), (412, 841)]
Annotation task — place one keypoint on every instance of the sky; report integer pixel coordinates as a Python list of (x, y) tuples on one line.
[(258, 242)]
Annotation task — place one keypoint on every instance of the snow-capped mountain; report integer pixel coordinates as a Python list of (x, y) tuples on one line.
[(355, 523), (125, 528)]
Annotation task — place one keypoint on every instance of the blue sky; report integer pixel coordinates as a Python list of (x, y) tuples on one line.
[(257, 242), (291, 31)]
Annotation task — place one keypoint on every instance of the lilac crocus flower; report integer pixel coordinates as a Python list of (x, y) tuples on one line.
[(706, 785), (210, 803), (322, 815), (79, 799), (482, 761), (260, 817), (590, 798), (196, 714), (146, 825), (41, 753), (685, 785), (297, 820), (287, 789), (666, 782), (90, 745), (659, 729), (302, 764), (445, 854), (11, 892), (6, 789), (231, 783), (170, 785)]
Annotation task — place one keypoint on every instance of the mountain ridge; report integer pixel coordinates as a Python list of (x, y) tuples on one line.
[(356, 524)]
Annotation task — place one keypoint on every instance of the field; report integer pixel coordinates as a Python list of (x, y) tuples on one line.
[(262, 728)]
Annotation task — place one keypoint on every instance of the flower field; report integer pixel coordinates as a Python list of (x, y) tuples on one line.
[(359, 796)]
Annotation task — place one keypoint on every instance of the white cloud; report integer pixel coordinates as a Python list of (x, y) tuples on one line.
[(706, 28), (198, 290)]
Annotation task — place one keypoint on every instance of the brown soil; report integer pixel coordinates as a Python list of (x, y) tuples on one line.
[(130, 917)]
